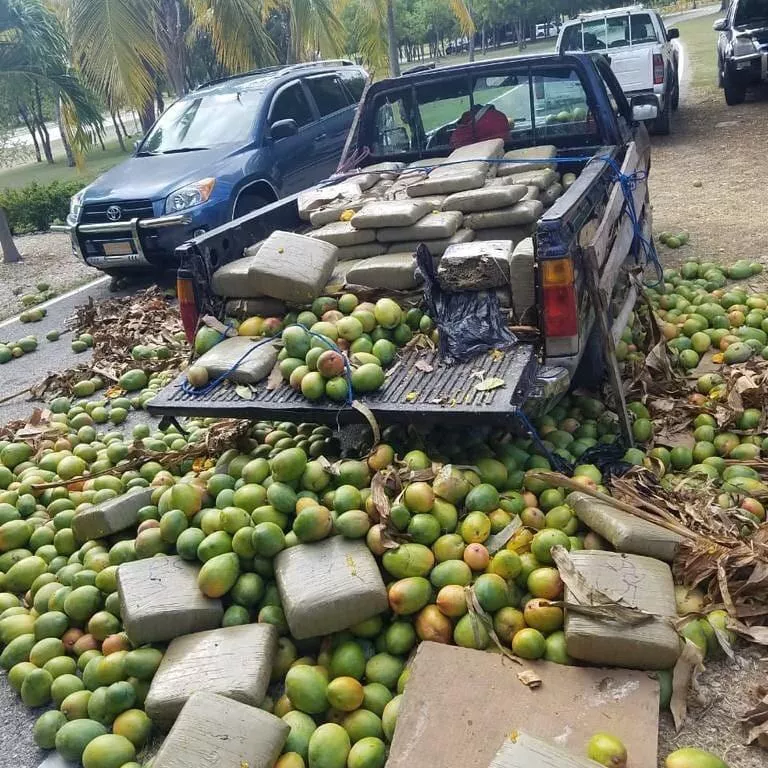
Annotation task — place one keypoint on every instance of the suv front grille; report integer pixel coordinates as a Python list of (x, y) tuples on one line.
[(96, 213)]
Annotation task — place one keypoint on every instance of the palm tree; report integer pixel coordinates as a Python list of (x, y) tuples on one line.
[(125, 47), (34, 53), (313, 27), (376, 31)]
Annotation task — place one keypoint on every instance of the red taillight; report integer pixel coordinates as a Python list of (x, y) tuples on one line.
[(559, 298), (658, 69), (560, 311), (185, 290)]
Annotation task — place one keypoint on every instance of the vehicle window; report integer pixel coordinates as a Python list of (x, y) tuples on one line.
[(749, 11), (291, 104), (328, 94), (517, 106), (610, 32), (354, 79), (393, 126), (204, 121), (616, 97)]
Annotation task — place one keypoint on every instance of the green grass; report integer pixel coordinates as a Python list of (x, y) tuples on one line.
[(543, 46), (96, 163), (700, 43)]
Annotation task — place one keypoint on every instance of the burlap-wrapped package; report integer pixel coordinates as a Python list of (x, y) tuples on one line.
[(392, 271), (389, 213), (476, 266), (223, 359), (293, 267), (528, 159), (436, 225), (486, 199), (328, 586), (524, 212), (636, 582)]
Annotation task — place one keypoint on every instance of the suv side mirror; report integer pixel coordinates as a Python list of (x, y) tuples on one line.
[(720, 25), (282, 129), (643, 112), (673, 33)]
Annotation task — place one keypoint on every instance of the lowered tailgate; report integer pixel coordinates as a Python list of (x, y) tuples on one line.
[(419, 389)]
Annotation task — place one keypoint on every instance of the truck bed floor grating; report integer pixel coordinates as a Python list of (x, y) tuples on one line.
[(418, 389)]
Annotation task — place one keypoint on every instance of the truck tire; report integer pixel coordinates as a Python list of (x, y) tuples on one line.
[(661, 125), (248, 203), (591, 371), (735, 93), (676, 93)]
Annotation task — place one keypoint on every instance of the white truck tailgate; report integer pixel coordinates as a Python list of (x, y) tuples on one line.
[(633, 67)]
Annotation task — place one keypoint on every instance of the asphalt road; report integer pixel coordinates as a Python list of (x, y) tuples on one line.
[(25, 371)]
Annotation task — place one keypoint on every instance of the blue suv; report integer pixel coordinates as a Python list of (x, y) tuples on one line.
[(223, 150)]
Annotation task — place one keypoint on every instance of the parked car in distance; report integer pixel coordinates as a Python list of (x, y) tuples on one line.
[(742, 48), (640, 51), (219, 152), (548, 29)]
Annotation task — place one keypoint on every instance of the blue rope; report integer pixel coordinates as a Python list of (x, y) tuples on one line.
[(556, 462), (628, 183), (188, 389)]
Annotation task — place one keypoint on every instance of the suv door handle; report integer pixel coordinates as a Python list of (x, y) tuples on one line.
[(321, 137)]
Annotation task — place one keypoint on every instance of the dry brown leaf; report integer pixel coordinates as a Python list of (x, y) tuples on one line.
[(757, 719), (424, 366), (275, 378), (683, 678), (530, 678)]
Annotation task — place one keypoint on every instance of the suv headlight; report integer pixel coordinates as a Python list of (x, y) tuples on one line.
[(190, 196), (743, 46), (75, 206)]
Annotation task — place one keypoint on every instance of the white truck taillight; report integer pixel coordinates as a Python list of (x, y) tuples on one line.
[(658, 69)]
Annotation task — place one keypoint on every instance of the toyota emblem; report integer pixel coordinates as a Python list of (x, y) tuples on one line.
[(114, 213)]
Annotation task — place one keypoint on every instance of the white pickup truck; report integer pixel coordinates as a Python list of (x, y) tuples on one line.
[(640, 51)]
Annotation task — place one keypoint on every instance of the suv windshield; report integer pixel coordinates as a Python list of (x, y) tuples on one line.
[(750, 11), (609, 32), (521, 106), (204, 121)]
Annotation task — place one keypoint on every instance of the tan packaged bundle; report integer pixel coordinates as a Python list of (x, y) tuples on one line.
[(635, 582)]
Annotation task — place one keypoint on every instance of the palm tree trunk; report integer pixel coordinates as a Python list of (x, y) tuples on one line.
[(64, 140), (171, 10), (44, 136), (122, 124), (24, 114), (118, 132), (11, 253), (394, 60), (147, 116)]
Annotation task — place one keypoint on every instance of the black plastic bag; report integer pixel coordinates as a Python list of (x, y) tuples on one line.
[(470, 322)]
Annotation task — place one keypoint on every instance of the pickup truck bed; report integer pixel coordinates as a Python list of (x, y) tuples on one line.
[(410, 394)]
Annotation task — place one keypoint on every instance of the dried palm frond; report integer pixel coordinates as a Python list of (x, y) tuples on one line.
[(719, 549), (118, 325)]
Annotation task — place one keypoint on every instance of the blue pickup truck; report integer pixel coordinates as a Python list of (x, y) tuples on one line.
[(573, 107), (224, 150)]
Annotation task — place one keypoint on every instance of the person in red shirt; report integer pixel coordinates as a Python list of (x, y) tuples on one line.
[(478, 124)]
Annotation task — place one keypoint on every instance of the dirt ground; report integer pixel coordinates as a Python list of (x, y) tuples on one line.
[(707, 178), (725, 694), (48, 259)]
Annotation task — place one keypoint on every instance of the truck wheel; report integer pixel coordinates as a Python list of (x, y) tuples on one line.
[(248, 203), (735, 93), (661, 125), (591, 371), (676, 93)]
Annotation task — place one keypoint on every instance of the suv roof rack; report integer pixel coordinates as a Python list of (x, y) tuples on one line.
[(279, 68)]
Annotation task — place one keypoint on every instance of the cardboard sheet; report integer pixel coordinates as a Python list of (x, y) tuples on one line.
[(460, 705)]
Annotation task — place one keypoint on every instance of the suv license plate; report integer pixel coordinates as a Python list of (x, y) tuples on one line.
[(118, 249)]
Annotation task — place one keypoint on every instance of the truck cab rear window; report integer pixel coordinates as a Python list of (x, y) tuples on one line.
[(519, 107), (609, 33)]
